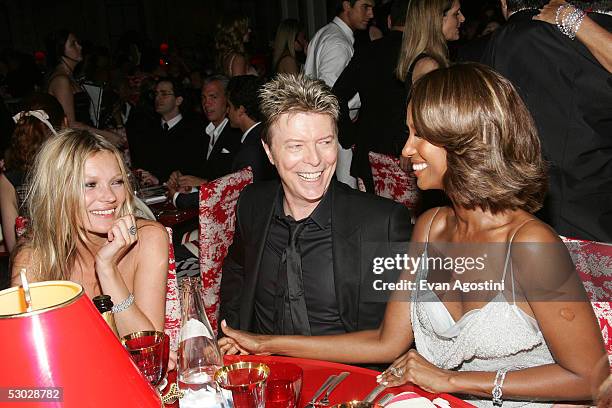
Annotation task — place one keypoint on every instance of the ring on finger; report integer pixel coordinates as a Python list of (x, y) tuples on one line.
[(132, 230), (396, 372)]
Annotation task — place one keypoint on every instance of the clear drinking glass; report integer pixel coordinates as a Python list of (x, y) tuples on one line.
[(199, 356)]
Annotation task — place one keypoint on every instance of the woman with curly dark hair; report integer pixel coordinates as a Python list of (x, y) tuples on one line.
[(42, 118)]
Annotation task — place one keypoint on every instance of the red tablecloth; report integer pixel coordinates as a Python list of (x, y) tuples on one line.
[(355, 387)]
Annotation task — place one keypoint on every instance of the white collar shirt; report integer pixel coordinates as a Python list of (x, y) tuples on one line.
[(214, 132), (172, 122), (330, 51), (245, 134)]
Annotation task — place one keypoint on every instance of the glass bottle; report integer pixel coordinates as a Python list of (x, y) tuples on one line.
[(104, 304), (199, 356)]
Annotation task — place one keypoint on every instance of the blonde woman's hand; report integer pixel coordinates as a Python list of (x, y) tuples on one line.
[(122, 235)]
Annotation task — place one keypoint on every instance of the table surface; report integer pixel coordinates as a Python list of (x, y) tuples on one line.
[(355, 387), (168, 215)]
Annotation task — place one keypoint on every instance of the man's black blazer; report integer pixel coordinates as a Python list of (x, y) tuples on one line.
[(357, 219), (219, 163), (181, 148), (569, 95), (252, 154), (249, 153), (381, 124)]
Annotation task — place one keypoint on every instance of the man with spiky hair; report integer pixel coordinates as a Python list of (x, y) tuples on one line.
[(294, 266)]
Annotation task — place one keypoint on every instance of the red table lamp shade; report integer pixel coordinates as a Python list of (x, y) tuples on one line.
[(65, 343)]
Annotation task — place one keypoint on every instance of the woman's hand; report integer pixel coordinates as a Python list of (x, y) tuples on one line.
[(122, 235), (549, 11), (238, 341), (412, 367)]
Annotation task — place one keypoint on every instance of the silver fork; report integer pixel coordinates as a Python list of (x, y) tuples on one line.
[(320, 391), (325, 400)]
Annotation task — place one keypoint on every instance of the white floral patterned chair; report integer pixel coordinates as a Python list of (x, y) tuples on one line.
[(172, 323), (593, 262), (217, 222), (391, 181)]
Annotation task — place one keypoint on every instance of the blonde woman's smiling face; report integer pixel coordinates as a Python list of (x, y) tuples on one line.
[(105, 192)]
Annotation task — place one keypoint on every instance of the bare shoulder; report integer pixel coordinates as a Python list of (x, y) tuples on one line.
[(536, 231), (151, 231), (434, 217), (424, 66), (59, 80)]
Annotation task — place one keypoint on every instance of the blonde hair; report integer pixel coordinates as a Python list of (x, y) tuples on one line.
[(289, 93), (493, 153), (56, 200), (284, 42), (423, 34), (229, 38)]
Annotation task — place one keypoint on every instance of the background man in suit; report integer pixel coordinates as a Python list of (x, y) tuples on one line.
[(176, 142), (330, 50), (381, 124), (281, 274), (569, 95), (245, 115), (221, 140)]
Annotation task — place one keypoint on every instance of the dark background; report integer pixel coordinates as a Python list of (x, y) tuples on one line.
[(24, 24)]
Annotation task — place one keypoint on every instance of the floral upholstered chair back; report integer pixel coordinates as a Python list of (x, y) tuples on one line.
[(172, 323), (593, 262), (391, 181), (217, 222)]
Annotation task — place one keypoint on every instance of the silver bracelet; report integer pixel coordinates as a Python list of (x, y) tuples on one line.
[(120, 307), (570, 22), (497, 386)]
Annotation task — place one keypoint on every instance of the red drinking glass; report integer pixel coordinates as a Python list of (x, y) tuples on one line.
[(284, 385), (150, 351)]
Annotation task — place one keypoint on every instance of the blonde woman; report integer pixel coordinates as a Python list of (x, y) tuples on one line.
[(82, 229), (232, 33), (289, 40), (429, 25)]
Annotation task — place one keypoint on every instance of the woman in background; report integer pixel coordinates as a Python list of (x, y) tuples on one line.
[(232, 33), (42, 118), (65, 50), (82, 228), (290, 39), (429, 25)]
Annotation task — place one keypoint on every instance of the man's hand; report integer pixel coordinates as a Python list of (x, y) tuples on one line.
[(146, 179)]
